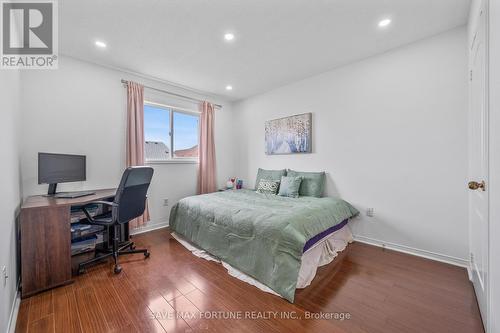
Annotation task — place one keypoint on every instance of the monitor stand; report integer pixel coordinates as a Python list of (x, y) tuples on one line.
[(52, 190)]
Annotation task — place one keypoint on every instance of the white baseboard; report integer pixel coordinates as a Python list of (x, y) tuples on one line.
[(414, 251), (149, 227), (469, 273), (14, 311)]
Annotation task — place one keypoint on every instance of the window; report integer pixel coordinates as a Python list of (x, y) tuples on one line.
[(171, 134)]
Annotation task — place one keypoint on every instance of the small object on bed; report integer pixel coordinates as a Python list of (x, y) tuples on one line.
[(269, 175), (312, 184), (289, 186), (268, 187), (230, 183)]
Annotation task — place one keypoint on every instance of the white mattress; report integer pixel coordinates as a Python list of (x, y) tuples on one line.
[(320, 254)]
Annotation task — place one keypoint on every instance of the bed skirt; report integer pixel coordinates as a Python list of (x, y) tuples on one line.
[(320, 254)]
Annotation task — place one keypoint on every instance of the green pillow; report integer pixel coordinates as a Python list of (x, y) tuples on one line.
[(312, 184), (289, 186), (268, 186), (269, 175)]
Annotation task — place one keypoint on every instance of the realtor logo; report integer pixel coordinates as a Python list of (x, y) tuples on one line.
[(29, 34)]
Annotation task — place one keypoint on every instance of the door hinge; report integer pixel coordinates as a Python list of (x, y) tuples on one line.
[(470, 75)]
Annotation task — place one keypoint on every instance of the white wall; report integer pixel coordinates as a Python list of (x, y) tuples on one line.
[(390, 131), (10, 196), (81, 108)]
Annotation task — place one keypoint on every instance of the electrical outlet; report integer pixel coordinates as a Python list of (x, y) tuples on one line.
[(4, 275), (165, 202), (370, 212)]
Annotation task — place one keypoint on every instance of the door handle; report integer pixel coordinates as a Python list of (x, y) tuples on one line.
[(476, 186)]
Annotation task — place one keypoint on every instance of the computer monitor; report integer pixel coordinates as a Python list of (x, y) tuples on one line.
[(60, 168)]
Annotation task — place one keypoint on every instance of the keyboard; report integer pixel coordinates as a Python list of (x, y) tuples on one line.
[(72, 195)]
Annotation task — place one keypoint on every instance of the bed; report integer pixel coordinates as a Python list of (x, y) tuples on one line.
[(263, 237)]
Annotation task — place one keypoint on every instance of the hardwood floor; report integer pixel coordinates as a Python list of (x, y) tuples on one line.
[(380, 291)]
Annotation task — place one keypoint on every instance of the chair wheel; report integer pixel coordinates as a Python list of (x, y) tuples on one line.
[(147, 254), (118, 269), (81, 271)]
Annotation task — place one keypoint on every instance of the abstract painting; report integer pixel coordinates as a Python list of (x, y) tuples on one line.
[(289, 135)]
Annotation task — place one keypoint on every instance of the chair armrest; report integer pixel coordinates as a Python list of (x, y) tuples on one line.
[(86, 212)]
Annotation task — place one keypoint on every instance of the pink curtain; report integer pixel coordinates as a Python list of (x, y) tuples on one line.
[(135, 136), (206, 170)]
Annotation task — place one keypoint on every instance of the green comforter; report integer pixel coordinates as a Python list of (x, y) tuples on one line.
[(261, 235)]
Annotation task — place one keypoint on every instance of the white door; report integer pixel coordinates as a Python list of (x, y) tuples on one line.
[(478, 167)]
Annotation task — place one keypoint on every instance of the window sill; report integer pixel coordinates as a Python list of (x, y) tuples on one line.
[(176, 161)]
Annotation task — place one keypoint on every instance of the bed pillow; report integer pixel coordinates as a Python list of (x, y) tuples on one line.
[(268, 186), (312, 184), (269, 175), (289, 186)]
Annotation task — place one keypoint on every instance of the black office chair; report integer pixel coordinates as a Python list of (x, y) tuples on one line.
[(129, 203)]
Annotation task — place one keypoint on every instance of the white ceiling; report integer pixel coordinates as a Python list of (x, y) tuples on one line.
[(277, 41)]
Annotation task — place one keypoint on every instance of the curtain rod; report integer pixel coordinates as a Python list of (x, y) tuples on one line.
[(125, 82)]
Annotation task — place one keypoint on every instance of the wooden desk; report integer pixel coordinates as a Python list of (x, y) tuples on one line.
[(46, 240)]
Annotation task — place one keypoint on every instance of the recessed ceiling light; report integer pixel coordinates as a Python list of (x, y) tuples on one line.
[(229, 36), (384, 23), (229, 87), (100, 44)]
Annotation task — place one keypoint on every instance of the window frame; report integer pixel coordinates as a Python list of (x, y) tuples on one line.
[(173, 159)]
